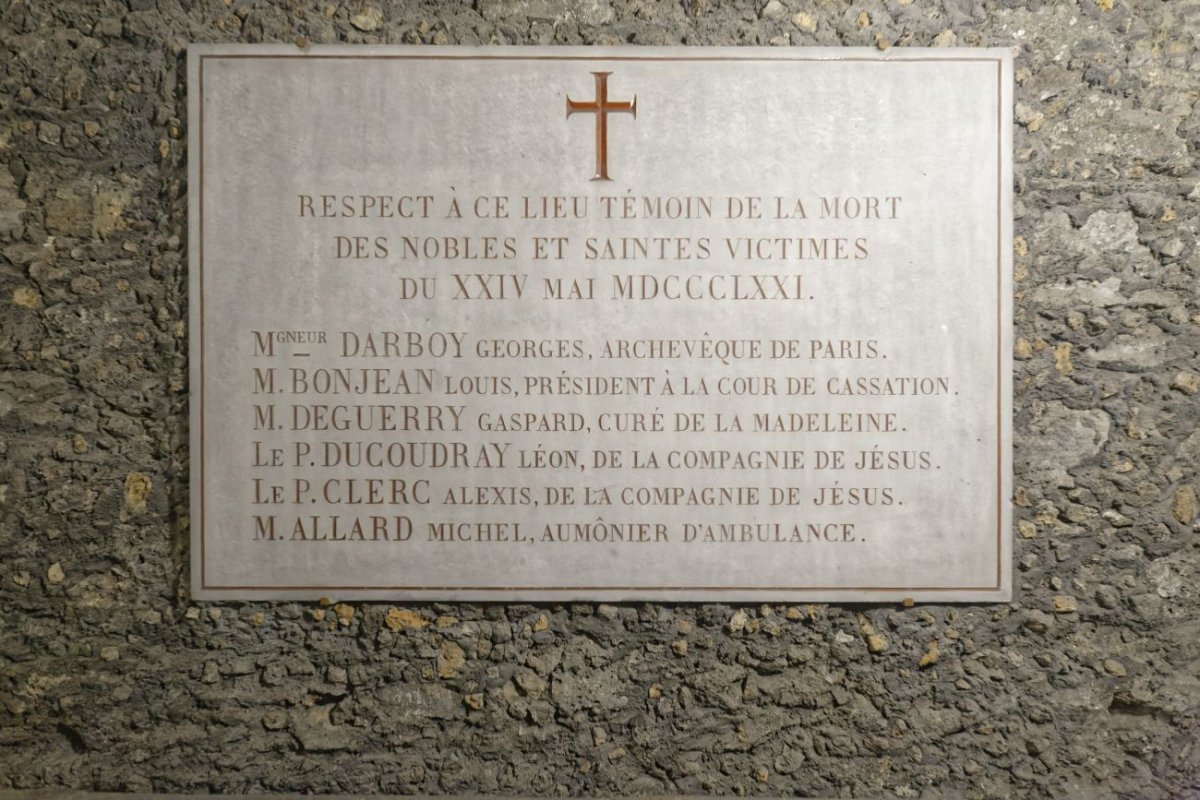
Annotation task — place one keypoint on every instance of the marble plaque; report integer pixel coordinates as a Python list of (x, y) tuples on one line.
[(600, 324)]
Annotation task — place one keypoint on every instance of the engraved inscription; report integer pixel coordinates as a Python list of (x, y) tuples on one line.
[(765, 359)]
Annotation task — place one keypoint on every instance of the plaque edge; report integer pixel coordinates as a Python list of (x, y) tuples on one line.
[(1002, 592)]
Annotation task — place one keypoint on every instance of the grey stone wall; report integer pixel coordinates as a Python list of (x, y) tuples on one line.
[(1086, 686)]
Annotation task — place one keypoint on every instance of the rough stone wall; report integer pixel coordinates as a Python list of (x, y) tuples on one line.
[(1087, 686)]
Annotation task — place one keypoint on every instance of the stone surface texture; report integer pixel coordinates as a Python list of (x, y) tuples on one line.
[(1087, 686)]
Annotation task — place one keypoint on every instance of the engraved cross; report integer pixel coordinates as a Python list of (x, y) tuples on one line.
[(602, 107)]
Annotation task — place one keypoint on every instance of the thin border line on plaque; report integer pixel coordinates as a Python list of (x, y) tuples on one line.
[(999, 62)]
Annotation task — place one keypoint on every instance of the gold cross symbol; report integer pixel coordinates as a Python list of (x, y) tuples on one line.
[(601, 107)]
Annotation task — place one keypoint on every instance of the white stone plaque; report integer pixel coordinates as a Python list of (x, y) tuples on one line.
[(600, 324)]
